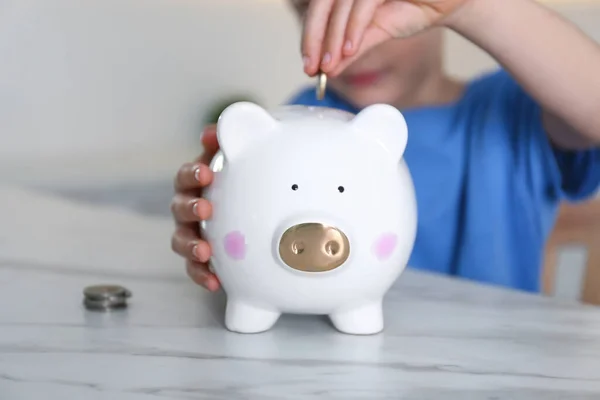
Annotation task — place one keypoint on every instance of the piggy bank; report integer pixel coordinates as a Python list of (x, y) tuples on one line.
[(314, 212)]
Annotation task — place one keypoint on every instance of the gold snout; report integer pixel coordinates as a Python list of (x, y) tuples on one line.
[(314, 247)]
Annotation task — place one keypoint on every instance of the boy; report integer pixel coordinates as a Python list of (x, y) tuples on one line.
[(491, 159)]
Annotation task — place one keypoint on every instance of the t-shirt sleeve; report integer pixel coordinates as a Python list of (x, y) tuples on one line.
[(570, 175)]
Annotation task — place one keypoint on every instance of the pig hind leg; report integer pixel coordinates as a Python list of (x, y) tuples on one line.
[(365, 319)]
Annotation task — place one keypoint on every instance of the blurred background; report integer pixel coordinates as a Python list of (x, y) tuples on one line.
[(102, 100)]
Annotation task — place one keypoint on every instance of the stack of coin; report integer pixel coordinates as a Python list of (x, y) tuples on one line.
[(105, 297)]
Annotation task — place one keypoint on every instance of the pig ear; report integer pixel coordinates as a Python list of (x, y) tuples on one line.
[(242, 125), (384, 124)]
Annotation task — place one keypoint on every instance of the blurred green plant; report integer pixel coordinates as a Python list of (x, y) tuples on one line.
[(212, 116)]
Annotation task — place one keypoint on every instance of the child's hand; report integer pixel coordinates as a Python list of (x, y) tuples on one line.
[(337, 31), (189, 208)]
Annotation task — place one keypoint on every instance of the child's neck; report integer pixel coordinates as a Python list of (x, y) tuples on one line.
[(434, 91)]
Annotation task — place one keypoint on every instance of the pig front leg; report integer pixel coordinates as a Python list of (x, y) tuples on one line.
[(243, 317), (365, 319)]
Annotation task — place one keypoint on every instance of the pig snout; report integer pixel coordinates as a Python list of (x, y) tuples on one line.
[(314, 247)]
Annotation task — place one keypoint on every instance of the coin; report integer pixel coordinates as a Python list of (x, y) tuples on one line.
[(321, 85), (105, 297)]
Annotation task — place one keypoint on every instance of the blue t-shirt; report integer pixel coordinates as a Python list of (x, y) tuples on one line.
[(488, 182)]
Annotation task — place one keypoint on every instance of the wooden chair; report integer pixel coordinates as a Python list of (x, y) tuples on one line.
[(576, 225)]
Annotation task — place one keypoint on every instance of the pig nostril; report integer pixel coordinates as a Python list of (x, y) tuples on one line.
[(297, 248), (332, 248)]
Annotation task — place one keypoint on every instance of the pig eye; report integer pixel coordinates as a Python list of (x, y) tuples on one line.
[(341, 189), (294, 187)]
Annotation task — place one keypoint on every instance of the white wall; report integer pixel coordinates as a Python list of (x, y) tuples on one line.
[(91, 75), (85, 77)]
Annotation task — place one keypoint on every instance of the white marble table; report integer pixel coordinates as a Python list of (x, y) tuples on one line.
[(445, 339)]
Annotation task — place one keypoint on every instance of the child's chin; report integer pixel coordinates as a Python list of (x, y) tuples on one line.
[(364, 97)]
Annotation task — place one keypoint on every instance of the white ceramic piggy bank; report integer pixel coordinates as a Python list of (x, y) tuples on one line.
[(314, 212)]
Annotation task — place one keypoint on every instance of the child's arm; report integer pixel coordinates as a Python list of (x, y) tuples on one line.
[(557, 64)]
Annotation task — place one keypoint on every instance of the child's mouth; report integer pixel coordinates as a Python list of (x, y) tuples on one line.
[(362, 79)]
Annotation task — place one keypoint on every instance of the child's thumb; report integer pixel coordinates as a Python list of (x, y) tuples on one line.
[(209, 139)]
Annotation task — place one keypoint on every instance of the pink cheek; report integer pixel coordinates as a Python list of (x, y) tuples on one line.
[(385, 245), (235, 245)]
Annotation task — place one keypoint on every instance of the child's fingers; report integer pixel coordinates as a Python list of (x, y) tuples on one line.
[(186, 208), (206, 157), (373, 36), (186, 243), (209, 143), (336, 31), (201, 275), (315, 25), (193, 176), (360, 18), (209, 139)]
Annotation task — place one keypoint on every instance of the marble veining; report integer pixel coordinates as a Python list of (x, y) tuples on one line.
[(444, 338)]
